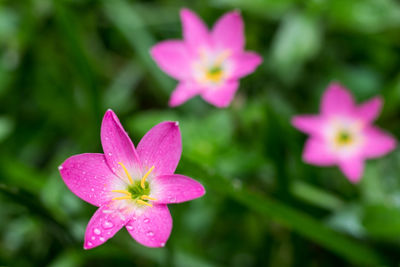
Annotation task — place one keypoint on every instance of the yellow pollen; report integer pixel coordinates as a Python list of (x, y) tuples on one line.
[(126, 171), (145, 176), (143, 203), (214, 75), (147, 197), (120, 198), (121, 191)]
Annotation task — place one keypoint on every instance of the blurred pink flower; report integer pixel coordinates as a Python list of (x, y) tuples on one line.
[(343, 133), (131, 187), (206, 63)]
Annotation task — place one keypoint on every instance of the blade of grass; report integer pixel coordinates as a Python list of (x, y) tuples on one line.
[(296, 220), (130, 24)]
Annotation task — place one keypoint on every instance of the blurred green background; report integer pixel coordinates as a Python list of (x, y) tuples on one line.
[(64, 62)]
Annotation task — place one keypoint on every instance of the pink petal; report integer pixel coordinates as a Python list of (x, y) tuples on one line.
[(370, 110), (161, 147), (172, 57), (176, 188), (89, 177), (195, 32), (104, 224), (378, 143), (183, 92), (228, 32), (221, 97), (245, 63), (118, 147), (337, 100), (316, 153), (153, 227), (311, 124), (352, 169)]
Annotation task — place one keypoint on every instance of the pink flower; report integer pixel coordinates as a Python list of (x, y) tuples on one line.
[(206, 63), (344, 134), (131, 187)]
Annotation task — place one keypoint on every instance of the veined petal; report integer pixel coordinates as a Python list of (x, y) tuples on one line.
[(89, 177), (352, 168), (370, 110), (175, 188), (378, 143), (161, 147), (104, 224), (245, 63), (316, 153), (182, 93), (311, 124), (337, 100), (228, 32), (153, 227), (118, 147), (221, 97), (195, 32), (172, 57)]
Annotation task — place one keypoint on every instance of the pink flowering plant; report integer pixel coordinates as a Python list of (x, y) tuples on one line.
[(343, 133), (206, 63), (131, 187)]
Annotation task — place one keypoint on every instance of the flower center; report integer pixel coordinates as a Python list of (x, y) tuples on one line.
[(214, 74), (344, 138), (137, 190), (211, 68)]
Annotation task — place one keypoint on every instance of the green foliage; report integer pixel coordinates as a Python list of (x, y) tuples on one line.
[(64, 62)]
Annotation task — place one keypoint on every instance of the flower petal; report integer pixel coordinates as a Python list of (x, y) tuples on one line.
[(175, 188), (245, 63), (104, 224), (183, 92), (89, 177), (228, 32), (370, 110), (221, 97), (118, 147), (153, 227), (161, 147), (352, 169), (172, 57), (195, 32), (337, 100), (311, 124), (316, 153), (378, 143)]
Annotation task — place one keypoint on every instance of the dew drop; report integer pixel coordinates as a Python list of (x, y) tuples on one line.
[(129, 227), (110, 154), (146, 220), (93, 238), (96, 231), (108, 225), (162, 244), (60, 167), (89, 244), (101, 239), (92, 189), (150, 233)]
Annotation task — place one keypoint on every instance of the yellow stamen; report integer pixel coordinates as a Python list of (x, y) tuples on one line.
[(214, 76), (120, 198), (122, 192), (147, 197), (143, 203), (145, 176), (126, 171)]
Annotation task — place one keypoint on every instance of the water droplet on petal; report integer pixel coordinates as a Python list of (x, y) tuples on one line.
[(150, 233), (146, 220), (96, 231), (92, 189), (89, 244), (60, 167), (129, 227), (110, 154), (101, 239), (162, 244), (93, 238), (108, 225)]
